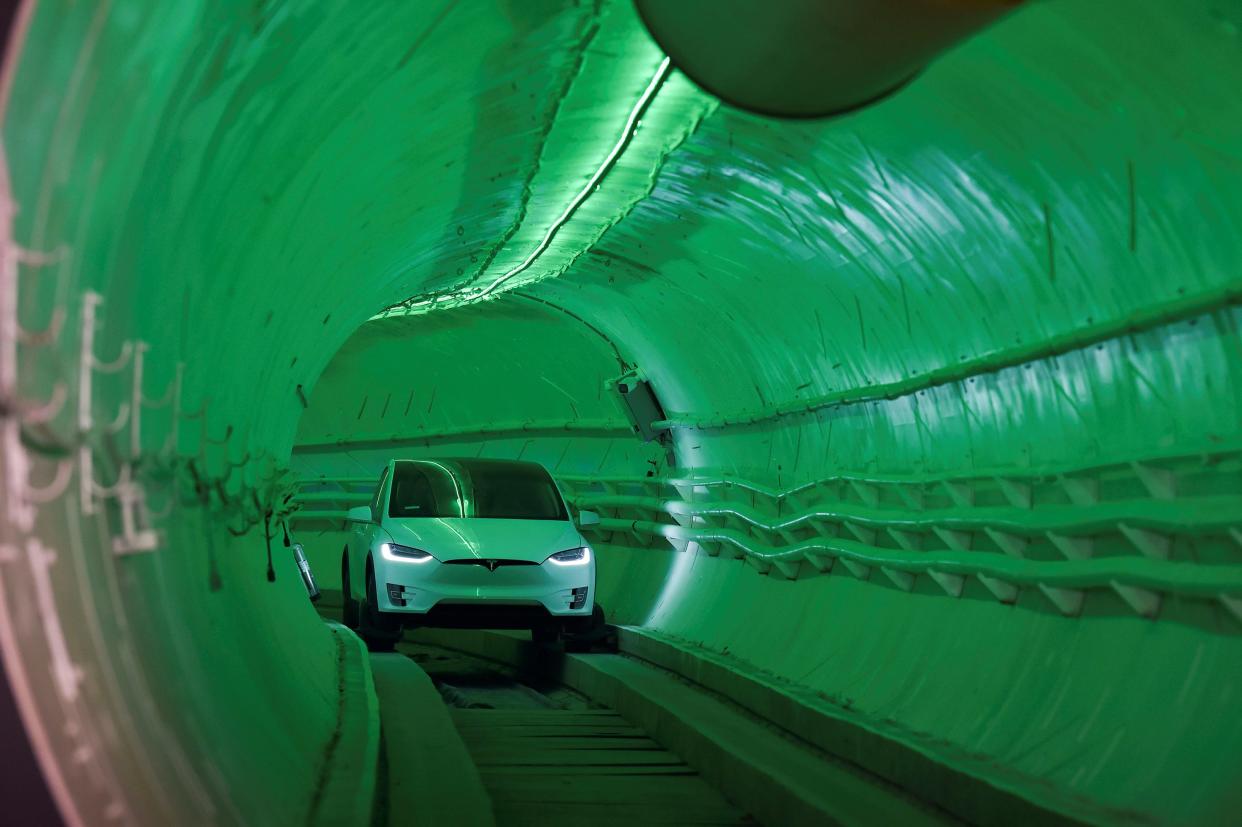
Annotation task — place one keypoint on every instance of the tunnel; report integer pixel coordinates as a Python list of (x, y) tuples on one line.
[(913, 426)]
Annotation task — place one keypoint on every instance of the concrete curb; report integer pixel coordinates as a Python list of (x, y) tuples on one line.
[(935, 779), (432, 779), (348, 775)]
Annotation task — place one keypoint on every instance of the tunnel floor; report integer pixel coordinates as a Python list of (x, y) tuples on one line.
[(553, 766), (471, 683), (490, 718), (548, 755)]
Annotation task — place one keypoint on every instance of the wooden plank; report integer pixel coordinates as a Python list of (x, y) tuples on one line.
[(472, 718), (590, 769), (596, 710), (554, 815), (539, 730), (554, 742), (594, 721), (651, 790), (500, 717), (486, 757), (534, 728)]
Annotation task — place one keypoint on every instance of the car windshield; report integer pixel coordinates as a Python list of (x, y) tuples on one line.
[(475, 488)]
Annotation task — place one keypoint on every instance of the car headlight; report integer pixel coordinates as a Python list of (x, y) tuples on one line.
[(571, 557), (404, 554)]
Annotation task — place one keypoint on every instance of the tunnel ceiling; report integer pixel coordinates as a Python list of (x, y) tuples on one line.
[(513, 377), (1021, 271)]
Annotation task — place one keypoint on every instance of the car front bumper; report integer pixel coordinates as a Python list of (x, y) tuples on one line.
[(417, 588)]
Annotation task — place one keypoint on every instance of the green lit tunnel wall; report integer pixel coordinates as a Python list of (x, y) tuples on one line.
[(993, 317)]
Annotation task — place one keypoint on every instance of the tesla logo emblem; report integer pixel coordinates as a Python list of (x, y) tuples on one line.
[(491, 564)]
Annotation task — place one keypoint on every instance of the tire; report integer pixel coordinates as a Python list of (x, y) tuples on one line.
[(379, 630), (546, 633), (587, 631), (588, 626), (349, 606)]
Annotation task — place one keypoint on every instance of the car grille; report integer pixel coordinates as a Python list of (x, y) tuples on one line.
[(489, 563)]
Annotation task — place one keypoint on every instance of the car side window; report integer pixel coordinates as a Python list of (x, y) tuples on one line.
[(424, 490), (378, 499), (412, 494)]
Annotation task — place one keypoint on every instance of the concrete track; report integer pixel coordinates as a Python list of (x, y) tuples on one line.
[(487, 728), (467, 740)]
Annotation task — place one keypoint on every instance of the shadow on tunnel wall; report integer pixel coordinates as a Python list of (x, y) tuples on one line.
[(465, 257)]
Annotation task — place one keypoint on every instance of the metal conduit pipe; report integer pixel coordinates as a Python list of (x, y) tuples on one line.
[(811, 58)]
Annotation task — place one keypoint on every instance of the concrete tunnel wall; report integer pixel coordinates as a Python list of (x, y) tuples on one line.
[(1009, 287)]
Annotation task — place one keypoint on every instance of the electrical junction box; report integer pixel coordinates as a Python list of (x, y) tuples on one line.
[(640, 404)]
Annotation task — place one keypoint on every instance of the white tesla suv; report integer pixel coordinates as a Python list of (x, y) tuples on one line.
[(477, 543)]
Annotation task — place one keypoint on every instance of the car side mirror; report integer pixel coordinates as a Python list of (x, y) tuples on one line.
[(587, 518), (359, 514)]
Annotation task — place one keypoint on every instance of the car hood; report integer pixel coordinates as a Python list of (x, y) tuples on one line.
[(460, 539)]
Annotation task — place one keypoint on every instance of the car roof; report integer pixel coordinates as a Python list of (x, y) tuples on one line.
[(468, 461)]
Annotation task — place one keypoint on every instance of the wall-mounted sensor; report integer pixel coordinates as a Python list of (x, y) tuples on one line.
[(640, 404)]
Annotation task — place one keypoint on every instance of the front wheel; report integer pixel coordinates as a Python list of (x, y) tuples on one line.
[(545, 633), (378, 629), (349, 606), (593, 625), (587, 631)]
